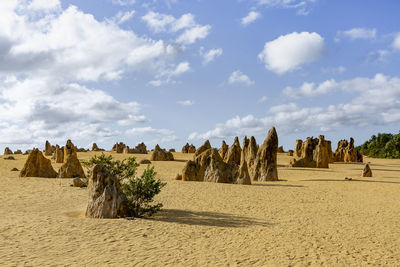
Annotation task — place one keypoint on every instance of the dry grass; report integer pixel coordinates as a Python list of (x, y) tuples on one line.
[(312, 216)]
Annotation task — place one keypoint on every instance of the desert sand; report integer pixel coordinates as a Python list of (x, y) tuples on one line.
[(310, 217)]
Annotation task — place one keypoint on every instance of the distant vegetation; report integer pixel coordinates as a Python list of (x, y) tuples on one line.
[(384, 145)]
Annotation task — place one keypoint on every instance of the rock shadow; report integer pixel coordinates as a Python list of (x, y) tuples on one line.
[(206, 218)]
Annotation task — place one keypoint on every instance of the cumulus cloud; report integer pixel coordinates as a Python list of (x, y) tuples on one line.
[(334, 70), (311, 89), (376, 102), (357, 33), (210, 55), (192, 31), (45, 67), (237, 77), (186, 103), (289, 52), (250, 18)]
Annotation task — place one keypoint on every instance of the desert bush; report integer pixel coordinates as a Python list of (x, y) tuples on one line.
[(139, 191)]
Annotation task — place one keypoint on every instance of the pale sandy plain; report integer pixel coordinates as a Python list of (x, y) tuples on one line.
[(311, 217)]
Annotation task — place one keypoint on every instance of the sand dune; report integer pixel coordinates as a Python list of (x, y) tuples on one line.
[(312, 216)]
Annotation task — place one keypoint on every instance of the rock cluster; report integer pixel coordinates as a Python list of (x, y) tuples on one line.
[(106, 198), (18, 152), (314, 153), (119, 147), (161, 155), (209, 166), (345, 152), (140, 149), (367, 172), (238, 166), (7, 151), (172, 150), (188, 148), (37, 165)]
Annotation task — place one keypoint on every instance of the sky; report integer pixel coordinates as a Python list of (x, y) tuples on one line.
[(172, 71)]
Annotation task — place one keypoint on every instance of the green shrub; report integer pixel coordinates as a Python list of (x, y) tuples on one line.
[(382, 146), (139, 191)]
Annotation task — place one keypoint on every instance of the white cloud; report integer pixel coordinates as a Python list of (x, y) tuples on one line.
[(191, 35), (357, 33), (377, 56), (311, 89), (186, 103), (376, 102), (44, 64), (123, 2), (122, 17), (396, 42), (167, 75), (148, 131), (250, 18), (335, 70), (44, 5), (192, 31), (263, 99), (289, 52), (210, 55), (237, 77), (302, 6)]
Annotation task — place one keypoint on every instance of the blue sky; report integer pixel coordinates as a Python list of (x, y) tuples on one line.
[(174, 71)]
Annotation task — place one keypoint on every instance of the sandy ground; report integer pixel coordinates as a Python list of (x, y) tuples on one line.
[(311, 217)]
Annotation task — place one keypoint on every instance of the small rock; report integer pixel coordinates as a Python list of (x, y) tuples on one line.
[(9, 158), (14, 170), (145, 161), (78, 182)]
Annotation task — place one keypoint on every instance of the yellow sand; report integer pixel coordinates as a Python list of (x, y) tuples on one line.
[(312, 216)]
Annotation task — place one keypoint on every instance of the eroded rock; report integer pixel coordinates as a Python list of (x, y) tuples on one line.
[(37, 165)]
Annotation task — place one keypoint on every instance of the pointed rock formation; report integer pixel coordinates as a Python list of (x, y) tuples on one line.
[(321, 155), (71, 168), (307, 154), (161, 155), (37, 165), (59, 154), (95, 147), (69, 149), (243, 176), (106, 198), (203, 148), (223, 150), (298, 149), (367, 172), (280, 149), (234, 152), (345, 152), (7, 151), (48, 151), (265, 167)]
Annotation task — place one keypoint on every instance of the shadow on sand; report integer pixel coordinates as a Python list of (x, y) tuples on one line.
[(349, 181), (206, 218), (278, 185)]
